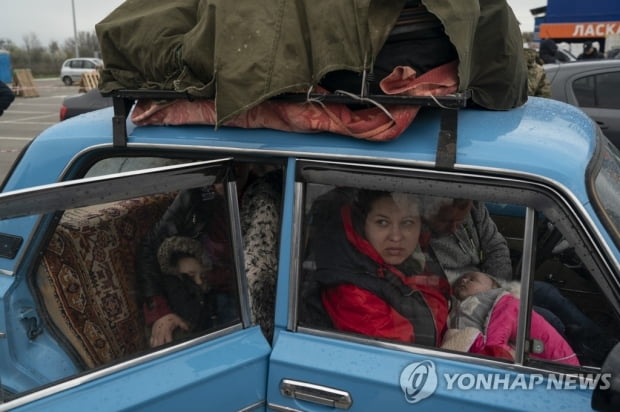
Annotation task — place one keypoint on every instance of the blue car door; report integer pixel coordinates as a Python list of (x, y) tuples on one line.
[(315, 367), (54, 355)]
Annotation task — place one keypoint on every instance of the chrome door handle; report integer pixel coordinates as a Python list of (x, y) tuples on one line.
[(310, 392)]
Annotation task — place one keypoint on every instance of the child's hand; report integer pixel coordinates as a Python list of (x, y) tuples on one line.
[(164, 327)]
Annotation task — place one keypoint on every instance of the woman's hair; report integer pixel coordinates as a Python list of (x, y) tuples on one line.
[(366, 198)]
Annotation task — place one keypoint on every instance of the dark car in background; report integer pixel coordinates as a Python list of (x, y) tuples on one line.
[(592, 86), (83, 103)]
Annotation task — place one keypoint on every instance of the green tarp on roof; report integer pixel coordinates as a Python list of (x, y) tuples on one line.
[(242, 52)]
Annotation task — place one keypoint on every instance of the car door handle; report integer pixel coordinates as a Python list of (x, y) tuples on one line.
[(310, 392)]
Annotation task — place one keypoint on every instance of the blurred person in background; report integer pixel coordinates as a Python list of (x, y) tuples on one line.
[(590, 52), (6, 97), (537, 82)]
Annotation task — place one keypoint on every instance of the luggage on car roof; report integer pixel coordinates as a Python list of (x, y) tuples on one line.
[(241, 53)]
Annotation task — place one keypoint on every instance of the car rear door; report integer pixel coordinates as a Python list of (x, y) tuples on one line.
[(594, 91), (314, 367), (224, 368)]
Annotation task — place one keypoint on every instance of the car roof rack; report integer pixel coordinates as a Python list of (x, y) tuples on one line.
[(449, 105)]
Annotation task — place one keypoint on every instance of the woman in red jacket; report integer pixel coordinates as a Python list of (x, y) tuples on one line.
[(372, 275)]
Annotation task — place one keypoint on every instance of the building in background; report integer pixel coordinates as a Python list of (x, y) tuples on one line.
[(575, 21)]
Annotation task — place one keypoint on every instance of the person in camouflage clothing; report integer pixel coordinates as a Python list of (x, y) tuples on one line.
[(537, 82)]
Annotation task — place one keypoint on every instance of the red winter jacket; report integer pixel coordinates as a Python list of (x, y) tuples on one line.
[(358, 298)]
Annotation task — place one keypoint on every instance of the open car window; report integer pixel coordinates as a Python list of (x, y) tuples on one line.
[(85, 297)]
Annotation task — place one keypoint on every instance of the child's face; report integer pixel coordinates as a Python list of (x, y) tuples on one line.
[(195, 270), (471, 283)]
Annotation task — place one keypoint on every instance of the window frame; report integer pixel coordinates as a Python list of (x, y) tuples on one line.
[(560, 206), (47, 203)]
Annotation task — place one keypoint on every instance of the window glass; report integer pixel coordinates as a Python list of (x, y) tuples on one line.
[(568, 295), (412, 267), (598, 90), (115, 251), (128, 274), (607, 86), (585, 91)]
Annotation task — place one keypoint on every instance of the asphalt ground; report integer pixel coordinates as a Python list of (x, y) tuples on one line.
[(29, 116)]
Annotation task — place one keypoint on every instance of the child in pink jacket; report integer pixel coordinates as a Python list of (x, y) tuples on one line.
[(484, 320)]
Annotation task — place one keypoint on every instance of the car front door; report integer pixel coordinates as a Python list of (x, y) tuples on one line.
[(68, 340)]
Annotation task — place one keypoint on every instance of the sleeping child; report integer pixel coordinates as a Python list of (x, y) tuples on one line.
[(484, 319)]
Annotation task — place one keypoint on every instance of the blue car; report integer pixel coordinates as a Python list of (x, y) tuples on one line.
[(84, 196)]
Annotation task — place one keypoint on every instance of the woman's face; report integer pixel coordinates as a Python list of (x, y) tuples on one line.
[(393, 228)]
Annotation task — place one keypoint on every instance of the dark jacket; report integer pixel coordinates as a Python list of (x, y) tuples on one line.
[(594, 55), (191, 214), (549, 51), (187, 300), (199, 214), (6, 97)]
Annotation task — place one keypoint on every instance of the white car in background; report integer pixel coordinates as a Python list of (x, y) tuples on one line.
[(72, 69)]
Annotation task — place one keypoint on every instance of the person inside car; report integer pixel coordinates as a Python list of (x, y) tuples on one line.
[(6, 97), (462, 237), (185, 264), (201, 214), (484, 318), (371, 277)]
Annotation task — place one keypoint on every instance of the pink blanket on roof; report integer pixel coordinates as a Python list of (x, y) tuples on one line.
[(312, 116)]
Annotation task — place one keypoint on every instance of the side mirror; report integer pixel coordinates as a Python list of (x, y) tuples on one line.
[(606, 396)]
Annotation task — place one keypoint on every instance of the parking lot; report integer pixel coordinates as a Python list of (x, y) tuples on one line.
[(29, 116)]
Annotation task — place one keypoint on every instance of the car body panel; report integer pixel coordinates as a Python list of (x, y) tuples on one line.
[(83, 103), (373, 378), (544, 144), (193, 377), (478, 147)]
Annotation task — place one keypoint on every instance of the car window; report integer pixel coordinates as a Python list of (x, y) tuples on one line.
[(101, 261), (522, 284), (598, 90), (606, 84), (89, 65)]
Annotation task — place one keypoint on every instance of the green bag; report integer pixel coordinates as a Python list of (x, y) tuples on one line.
[(242, 52)]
